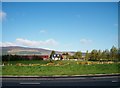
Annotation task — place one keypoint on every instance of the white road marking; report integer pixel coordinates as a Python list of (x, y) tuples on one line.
[(114, 80), (71, 78), (29, 83), (106, 77)]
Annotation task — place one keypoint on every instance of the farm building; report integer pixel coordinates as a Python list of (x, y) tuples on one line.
[(43, 57), (56, 57)]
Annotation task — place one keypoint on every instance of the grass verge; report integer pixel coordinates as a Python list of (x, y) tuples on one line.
[(45, 68)]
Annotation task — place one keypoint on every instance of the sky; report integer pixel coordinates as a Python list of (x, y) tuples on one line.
[(60, 0), (63, 26)]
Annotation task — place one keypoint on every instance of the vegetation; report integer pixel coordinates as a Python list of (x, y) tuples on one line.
[(52, 53), (19, 58), (87, 55), (78, 55), (97, 55), (46, 68), (66, 55), (95, 62)]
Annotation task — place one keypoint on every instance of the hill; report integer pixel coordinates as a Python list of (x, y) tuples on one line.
[(17, 50)]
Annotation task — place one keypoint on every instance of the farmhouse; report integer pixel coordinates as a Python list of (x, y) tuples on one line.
[(57, 57)]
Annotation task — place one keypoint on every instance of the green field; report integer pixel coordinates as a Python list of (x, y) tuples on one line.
[(46, 68)]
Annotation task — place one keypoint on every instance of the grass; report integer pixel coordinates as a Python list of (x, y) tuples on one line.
[(58, 68)]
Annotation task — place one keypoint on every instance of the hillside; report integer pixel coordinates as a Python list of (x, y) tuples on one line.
[(27, 51)]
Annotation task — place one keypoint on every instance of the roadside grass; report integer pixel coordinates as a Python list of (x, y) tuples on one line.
[(28, 62), (46, 68)]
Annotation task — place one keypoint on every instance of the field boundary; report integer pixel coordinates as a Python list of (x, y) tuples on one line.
[(59, 76)]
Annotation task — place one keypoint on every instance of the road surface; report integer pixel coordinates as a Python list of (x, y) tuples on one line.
[(90, 81)]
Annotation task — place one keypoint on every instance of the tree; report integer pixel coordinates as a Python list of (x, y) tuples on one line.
[(71, 57), (107, 54), (118, 55), (52, 53), (66, 55), (113, 53), (93, 55), (87, 56), (78, 55), (99, 55)]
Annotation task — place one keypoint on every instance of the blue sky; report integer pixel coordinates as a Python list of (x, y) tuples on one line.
[(60, 26), (60, 0)]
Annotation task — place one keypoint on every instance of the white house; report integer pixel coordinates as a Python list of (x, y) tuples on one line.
[(57, 57)]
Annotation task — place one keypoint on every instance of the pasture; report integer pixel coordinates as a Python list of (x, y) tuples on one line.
[(47, 68)]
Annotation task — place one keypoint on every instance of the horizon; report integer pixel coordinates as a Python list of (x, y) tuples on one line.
[(54, 50), (60, 26)]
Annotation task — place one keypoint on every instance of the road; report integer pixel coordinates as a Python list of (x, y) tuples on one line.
[(107, 81)]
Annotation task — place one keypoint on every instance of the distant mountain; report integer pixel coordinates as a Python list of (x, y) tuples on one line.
[(24, 50), (17, 50)]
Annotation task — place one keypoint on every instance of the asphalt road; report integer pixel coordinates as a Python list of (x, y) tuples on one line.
[(94, 81)]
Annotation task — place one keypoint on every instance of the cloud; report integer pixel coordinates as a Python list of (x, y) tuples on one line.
[(2, 15), (43, 31), (31, 43), (25, 42), (5, 44), (85, 41)]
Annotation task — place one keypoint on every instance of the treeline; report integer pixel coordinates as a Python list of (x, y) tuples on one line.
[(19, 58), (97, 55)]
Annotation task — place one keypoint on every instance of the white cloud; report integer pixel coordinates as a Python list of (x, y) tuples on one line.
[(25, 42), (30, 43), (5, 44), (2, 15), (85, 41), (43, 31)]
